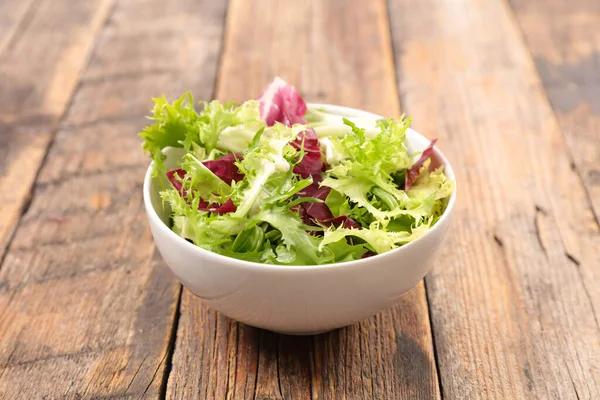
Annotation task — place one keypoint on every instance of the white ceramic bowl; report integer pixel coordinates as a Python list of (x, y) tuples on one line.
[(298, 299)]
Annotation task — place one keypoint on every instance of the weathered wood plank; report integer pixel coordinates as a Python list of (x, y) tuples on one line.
[(380, 358), (564, 39), (513, 310), (86, 305), (331, 55), (331, 60), (40, 61), (14, 17)]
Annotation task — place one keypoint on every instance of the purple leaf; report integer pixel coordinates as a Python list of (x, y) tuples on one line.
[(312, 162), (319, 213), (175, 176), (343, 220), (316, 211), (412, 174), (225, 167), (224, 208), (281, 102), (368, 254)]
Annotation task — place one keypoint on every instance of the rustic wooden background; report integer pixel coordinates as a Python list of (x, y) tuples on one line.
[(510, 87)]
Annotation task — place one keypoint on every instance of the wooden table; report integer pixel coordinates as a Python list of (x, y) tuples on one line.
[(510, 87)]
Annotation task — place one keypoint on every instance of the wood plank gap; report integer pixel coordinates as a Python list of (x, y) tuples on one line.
[(257, 364), (277, 362), (171, 348), (433, 340), (395, 61)]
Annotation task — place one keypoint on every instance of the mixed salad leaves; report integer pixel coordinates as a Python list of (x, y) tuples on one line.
[(275, 182)]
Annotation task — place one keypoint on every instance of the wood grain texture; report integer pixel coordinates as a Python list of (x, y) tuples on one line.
[(326, 50), (87, 307), (564, 40), (14, 18), (44, 44), (381, 358), (514, 295), (323, 49)]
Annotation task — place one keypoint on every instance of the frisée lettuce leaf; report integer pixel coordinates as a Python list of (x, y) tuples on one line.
[(275, 181)]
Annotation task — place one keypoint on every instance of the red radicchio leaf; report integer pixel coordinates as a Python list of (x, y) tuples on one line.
[(224, 208), (301, 211), (280, 102), (173, 176), (316, 211), (312, 162), (225, 167), (343, 220), (413, 172), (368, 254), (319, 212)]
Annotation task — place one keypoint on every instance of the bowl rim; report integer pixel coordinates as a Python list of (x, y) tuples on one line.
[(203, 253)]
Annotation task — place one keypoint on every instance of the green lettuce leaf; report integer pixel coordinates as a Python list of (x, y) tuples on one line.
[(202, 182), (216, 129), (376, 237), (269, 154), (217, 118), (207, 230), (237, 127), (296, 239), (366, 174), (430, 193), (330, 125), (173, 123), (367, 159)]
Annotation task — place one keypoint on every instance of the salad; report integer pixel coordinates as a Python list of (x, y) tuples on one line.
[(274, 181)]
